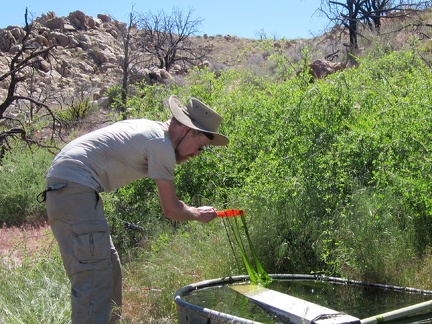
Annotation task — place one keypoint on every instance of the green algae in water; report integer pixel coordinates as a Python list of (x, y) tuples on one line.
[(233, 229)]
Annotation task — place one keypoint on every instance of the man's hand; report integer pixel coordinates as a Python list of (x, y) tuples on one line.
[(176, 209), (206, 214)]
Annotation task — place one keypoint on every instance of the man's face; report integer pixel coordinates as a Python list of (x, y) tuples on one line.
[(192, 145)]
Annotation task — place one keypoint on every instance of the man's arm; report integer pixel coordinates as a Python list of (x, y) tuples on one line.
[(176, 209)]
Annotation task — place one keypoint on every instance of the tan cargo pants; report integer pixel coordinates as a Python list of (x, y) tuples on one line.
[(77, 219)]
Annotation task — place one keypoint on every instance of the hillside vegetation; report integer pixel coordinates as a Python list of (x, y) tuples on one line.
[(334, 174)]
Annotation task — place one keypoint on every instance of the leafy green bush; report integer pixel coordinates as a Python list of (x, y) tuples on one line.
[(334, 176), (322, 168), (149, 102), (22, 178), (310, 160), (134, 213), (114, 96), (364, 129)]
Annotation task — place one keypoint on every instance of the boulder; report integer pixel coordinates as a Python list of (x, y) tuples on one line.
[(104, 56), (55, 23), (59, 39), (78, 20), (44, 66), (104, 18), (84, 41), (18, 33), (92, 23), (321, 68), (6, 40), (68, 28), (42, 40)]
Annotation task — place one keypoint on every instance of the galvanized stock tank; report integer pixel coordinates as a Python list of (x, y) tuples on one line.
[(339, 300)]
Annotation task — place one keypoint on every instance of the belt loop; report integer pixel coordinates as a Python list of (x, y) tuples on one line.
[(41, 197)]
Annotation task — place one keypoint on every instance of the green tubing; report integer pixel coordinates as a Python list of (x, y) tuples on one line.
[(399, 313)]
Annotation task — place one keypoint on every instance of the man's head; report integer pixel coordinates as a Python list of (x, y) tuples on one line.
[(187, 142), (199, 116)]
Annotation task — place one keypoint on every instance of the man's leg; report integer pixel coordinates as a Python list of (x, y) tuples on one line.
[(77, 219), (116, 296)]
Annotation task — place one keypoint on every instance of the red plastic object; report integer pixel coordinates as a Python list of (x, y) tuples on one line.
[(231, 213)]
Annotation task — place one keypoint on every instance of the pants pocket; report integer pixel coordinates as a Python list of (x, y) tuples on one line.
[(91, 244)]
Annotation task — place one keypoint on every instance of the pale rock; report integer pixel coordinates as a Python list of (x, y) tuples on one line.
[(55, 23)]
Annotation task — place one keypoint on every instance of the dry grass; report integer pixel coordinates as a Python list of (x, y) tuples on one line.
[(19, 242)]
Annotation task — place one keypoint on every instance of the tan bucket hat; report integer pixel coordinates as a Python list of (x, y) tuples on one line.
[(198, 115)]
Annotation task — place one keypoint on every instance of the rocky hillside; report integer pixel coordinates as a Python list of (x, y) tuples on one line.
[(88, 52), (86, 58)]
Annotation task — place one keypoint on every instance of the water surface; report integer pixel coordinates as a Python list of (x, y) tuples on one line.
[(357, 300)]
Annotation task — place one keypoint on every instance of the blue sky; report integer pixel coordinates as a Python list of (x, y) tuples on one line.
[(243, 18)]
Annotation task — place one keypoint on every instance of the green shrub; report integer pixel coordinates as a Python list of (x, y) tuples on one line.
[(300, 153), (307, 148), (114, 96), (22, 178), (334, 176), (134, 213), (76, 111)]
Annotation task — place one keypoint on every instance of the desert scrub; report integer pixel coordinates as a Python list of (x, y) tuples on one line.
[(76, 111), (22, 178)]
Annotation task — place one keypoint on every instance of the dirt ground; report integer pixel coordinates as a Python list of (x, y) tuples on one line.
[(16, 242)]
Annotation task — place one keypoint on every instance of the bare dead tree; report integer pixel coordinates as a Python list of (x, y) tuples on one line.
[(167, 38), (346, 13), (21, 68), (127, 61), (130, 38), (375, 11), (351, 13)]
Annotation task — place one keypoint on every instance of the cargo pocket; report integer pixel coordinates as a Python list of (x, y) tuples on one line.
[(91, 245)]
